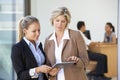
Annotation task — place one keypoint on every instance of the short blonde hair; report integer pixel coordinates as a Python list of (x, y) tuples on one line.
[(61, 11)]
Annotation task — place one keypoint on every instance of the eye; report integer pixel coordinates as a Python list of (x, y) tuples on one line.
[(38, 30), (34, 31), (63, 21), (57, 20)]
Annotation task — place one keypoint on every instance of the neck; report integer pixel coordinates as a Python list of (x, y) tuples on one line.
[(33, 42), (81, 30), (109, 32), (59, 35)]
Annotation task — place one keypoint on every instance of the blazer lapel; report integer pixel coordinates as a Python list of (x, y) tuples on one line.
[(66, 40), (52, 55), (64, 44), (52, 49), (29, 53)]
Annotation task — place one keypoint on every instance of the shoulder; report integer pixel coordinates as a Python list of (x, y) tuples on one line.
[(74, 33), (47, 41), (112, 33), (16, 50), (48, 37), (105, 34), (19, 46), (19, 49)]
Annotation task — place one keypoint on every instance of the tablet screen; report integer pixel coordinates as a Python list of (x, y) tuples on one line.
[(63, 64)]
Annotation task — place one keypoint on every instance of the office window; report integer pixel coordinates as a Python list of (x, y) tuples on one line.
[(10, 12)]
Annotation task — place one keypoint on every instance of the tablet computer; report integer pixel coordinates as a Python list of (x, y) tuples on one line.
[(63, 64)]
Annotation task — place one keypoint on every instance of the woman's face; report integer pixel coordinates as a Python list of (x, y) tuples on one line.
[(107, 28), (60, 23), (32, 32)]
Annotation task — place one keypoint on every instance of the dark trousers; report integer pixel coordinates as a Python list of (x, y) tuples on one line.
[(101, 59)]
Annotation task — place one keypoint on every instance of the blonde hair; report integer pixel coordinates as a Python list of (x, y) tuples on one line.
[(24, 23), (61, 11)]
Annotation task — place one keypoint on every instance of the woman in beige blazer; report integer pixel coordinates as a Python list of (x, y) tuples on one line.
[(65, 45)]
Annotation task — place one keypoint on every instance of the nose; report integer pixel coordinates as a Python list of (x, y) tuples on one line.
[(38, 33), (60, 23)]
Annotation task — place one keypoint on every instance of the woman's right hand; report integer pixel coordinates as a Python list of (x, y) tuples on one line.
[(54, 71), (43, 69)]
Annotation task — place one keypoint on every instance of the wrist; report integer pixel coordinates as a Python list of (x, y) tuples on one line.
[(33, 73), (37, 70)]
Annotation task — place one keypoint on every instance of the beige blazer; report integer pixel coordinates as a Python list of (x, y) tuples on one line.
[(75, 46)]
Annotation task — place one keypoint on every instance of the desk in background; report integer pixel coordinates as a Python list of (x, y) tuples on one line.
[(111, 51)]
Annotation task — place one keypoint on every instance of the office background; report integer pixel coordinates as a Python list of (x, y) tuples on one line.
[(95, 13)]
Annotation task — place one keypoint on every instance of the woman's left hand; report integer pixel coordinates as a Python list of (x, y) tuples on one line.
[(72, 58)]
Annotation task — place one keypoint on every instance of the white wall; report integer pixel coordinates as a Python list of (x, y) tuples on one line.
[(95, 13)]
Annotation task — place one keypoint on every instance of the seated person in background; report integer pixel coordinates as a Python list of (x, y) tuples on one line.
[(101, 59), (109, 35)]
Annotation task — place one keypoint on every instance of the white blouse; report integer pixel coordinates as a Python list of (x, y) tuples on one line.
[(58, 52)]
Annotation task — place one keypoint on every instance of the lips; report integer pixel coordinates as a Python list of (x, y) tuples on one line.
[(59, 27)]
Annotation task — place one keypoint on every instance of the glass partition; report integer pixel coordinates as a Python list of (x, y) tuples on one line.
[(10, 12)]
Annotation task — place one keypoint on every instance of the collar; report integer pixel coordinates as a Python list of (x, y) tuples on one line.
[(29, 43), (65, 35)]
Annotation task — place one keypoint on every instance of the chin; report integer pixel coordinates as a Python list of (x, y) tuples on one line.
[(60, 30), (36, 39)]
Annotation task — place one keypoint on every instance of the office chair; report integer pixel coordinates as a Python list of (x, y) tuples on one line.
[(87, 34)]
